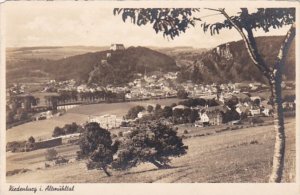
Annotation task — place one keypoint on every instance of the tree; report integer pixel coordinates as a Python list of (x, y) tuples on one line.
[(133, 112), (167, 112), (96, 146), (71, 128), (153, 142), (31, 140), (150, 108), (9, 116), (193, 116), (173, 21), (58, 132), (182, 94)]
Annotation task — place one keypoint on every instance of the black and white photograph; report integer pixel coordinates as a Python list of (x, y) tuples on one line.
[(105, 92)]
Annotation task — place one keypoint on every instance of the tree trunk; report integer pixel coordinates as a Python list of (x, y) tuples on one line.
[(158, 165), (105, 171), (279, 147)]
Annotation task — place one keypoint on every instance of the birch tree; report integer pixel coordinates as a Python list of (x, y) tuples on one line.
[(174, 21)]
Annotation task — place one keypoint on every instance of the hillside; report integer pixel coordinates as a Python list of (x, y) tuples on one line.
[(51, 53), (227, 62), (231, 62), (118, 69)]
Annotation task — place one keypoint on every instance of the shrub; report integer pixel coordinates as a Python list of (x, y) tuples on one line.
[(16, 171), (256, 120), (15, 146), (51, 154), (253, 142), (61, 160), (185, 131)]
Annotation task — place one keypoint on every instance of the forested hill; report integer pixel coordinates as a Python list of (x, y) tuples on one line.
[(231, 62), (119, 68)]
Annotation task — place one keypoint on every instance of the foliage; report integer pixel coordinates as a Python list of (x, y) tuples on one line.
[(67, 129), (133, 112), (193, 102), (171, 21), (58, 132), (230, 115), (15, 146), (150, 108), (256, 120), (31, 140), (149, 142), (50, 154), (263, 18), (96, 145), (182, 94)]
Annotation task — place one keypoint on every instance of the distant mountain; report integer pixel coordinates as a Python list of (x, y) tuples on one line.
[(179, 53), (231, 62)]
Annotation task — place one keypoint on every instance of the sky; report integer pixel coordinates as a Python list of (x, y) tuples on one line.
[(92, 24)]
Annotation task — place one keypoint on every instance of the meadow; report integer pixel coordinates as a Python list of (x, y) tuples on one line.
[(242, 155), (43, 129)]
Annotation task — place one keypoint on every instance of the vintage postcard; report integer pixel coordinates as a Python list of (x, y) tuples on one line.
[(149, 97)]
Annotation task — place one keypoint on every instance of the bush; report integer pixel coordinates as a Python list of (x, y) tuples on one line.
[(185, 131), (61, 160), (256, 120), (51, 154), (253, 142), (16, 171), (15, 146)]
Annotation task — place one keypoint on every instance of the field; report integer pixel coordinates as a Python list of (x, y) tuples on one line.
[(242, 155), (43, 129), (52, 53)]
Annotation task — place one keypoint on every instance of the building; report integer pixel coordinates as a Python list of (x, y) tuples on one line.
[(106, 121), (117, 47), (209, 118), (254, 111)]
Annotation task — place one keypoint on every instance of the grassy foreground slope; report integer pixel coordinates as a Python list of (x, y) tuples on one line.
[(243, 155)]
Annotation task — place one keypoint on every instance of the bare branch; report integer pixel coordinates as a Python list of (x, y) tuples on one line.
[(282, 54), (217, 10)]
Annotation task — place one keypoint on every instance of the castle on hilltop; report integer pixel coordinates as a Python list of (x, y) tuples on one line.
[(117, 47)]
